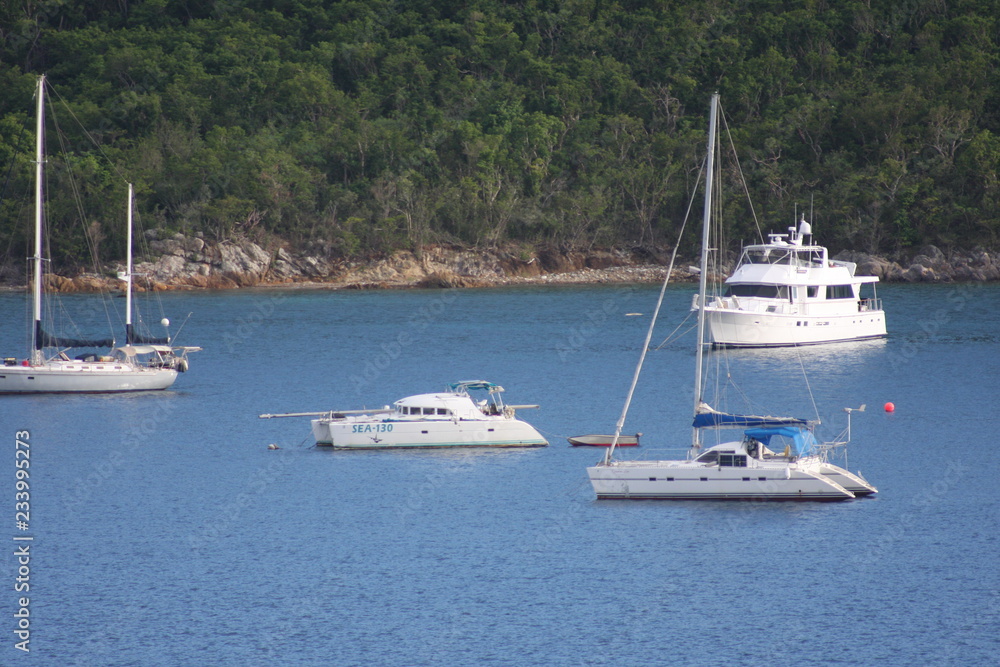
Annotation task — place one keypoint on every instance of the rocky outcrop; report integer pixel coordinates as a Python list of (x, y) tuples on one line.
[(191, 262), (930, 264), (870, 265), (186, 262)]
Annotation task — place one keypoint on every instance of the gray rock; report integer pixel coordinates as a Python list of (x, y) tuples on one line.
[(933, 252), (918, 273)]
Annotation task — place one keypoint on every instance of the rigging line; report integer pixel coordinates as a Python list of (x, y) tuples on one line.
[(77, 196), (670, 336), (100, 149), (727, 385), (750, 405), (743, 180), (716, 255), (178, 333), (687, 213), (805, 376), (718, 357), (550, 433), (78, 201), (144, 250), (53, 91), (652, 324)]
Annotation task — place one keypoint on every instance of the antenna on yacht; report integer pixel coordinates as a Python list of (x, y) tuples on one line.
[(849, 411), (812, 215)]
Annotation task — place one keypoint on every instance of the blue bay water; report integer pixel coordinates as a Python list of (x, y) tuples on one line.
[(167, 533)]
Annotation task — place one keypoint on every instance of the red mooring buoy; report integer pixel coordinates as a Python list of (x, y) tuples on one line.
[(889, 407)]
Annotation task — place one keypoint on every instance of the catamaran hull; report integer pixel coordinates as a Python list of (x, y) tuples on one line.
[(90, 377), (672, 482), (389, 434), (856, 484), (734, 328)]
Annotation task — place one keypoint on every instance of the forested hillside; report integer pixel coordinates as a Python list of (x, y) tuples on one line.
[(359, 127)]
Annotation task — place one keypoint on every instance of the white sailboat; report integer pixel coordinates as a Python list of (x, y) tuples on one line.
[(142, 364), (789, 292), (751, 467)]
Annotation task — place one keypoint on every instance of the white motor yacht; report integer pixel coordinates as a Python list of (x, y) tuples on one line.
[(789, 292)]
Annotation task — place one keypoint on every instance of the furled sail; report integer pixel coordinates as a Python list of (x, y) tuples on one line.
[(45, 339), (133, 337), (706, 417)]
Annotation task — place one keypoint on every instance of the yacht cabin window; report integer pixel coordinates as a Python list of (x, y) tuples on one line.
[(787, 255), (724, 459), (839, 292), (733, 460), (709, 457), (757, 290)]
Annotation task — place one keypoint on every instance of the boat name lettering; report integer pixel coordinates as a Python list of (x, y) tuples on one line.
[(371, 428)]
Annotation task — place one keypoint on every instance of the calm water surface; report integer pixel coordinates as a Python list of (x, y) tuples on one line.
[(166, 533)]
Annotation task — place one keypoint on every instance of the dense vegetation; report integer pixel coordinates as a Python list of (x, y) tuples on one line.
[(363, 126)]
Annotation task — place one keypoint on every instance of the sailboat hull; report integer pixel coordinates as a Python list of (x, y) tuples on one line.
[(83, 377), (682, 480)]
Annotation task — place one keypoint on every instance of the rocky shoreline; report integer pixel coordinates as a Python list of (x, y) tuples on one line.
[(186, 263)]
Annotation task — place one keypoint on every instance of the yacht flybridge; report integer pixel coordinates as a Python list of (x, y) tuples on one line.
[(446, 419), (789, 292)]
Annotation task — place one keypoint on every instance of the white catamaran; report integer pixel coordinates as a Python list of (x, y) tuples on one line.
[(753, 466), (444, 419), (142, 364)]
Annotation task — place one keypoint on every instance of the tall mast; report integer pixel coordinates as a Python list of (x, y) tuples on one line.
[(128, 274), (703, 281), (36, 330)]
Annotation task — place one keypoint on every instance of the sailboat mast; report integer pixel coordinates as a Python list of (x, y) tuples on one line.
[(128, 274), (703, 279), (36, 329)]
